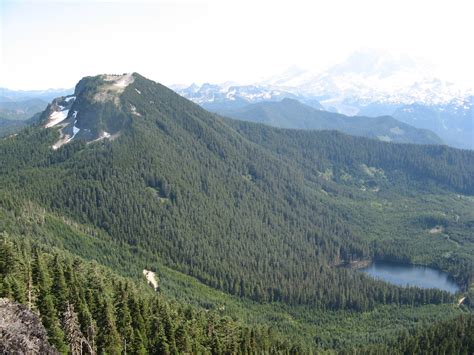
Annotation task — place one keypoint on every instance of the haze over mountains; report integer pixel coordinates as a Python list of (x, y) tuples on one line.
[(7, 95), (369, 83), (19, 108)]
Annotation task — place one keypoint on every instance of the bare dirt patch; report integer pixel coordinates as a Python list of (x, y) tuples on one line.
[(114, 86), (151, 278), (436, 230)]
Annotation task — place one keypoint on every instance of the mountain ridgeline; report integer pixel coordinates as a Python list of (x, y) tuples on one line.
[(368, 83), (261, 213), (290, 113)]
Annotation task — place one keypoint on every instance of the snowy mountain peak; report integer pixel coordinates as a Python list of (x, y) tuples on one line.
[(366, 76), (373, 76), (368, 82)]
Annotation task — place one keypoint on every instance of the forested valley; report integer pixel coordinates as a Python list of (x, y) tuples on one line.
[(246, 213)]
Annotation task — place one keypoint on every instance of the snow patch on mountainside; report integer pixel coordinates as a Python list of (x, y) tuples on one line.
[(134, 110), (75, 130), (57, 117)]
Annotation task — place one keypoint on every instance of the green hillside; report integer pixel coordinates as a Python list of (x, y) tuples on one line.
[(254, 217), (290, 113)]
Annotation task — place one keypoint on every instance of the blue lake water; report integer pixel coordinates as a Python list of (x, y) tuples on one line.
[(411, 275)]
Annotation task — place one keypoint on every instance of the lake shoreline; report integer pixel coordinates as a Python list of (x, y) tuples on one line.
[(406, 274), (356, 264)]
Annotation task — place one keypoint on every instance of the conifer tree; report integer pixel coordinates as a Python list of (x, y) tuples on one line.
[(108, 339), (59, 289), (45, 303)]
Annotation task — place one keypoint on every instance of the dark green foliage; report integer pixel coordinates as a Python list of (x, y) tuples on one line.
[(120, 316), (407, 165), (236, 205), (45, 301), (454, 336), (267, 215)]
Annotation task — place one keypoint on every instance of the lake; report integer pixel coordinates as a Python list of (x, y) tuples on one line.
[(411, 275)]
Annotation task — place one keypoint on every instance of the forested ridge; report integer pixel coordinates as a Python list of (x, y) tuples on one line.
[(261, 213), (290, 113), (433, 164)]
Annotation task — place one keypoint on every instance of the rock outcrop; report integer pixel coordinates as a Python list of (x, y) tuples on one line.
[(21, 331)]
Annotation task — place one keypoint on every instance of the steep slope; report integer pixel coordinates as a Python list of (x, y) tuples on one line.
[(92, 291), (94, 112), (293, 114), (85, 308)]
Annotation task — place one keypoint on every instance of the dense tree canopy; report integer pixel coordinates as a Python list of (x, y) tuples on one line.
[(263, 214)]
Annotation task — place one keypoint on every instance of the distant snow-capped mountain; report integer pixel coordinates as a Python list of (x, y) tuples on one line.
[(373, 76), (214, 97), (369, 82), (365, 77)]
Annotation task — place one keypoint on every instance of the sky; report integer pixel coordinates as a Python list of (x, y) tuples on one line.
[(52, 44)]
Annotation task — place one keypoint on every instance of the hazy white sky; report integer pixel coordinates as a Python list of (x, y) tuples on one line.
[(55, 43)]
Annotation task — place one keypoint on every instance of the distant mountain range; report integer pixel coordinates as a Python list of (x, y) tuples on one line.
[(7, 95), (290, 113), (19, 109), (369, 83), (231, 96)]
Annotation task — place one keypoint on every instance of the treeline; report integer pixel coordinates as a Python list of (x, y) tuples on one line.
[(87, 309)]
